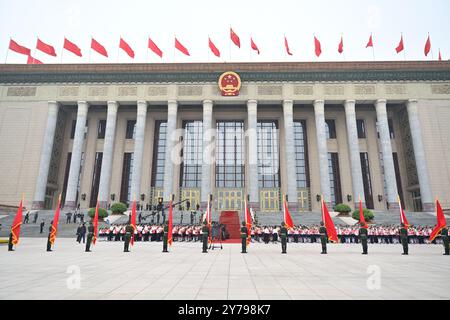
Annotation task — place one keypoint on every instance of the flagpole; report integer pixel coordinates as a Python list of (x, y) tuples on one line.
[(404, 49), (174, 37), (146, 59), (62, 50), (118, 49), (90, 51), (208, 49), (7, 50), (431, 47)]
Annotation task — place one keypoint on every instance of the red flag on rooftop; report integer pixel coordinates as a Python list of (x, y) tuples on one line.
[(15, 227), (95, 45), (370, 42), (213, 48), (326, 218), (32, 60), (55, 222), (235, 38), (126, 47), (253, 45), (287, 216), (14, 46), (286, 45), (46, 48), (427, 46), (317, 47), (441, 222), (248, 222), (133, 220), (402, 214), (72, 47), (95, 223), (341, 45), (181, 48), (152, 46), (400, 46)]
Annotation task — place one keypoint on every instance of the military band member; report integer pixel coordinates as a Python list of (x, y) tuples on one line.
[(283, 236), (323, 237), (129, 230), (363, 233), (404, 238), (445, 242), (49, 245), (89, 237), (165, 236), (205, 233), (244, 234)]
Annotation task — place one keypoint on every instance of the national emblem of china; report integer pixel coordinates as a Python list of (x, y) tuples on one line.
[(229, 84)]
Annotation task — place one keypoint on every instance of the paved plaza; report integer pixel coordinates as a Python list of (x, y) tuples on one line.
[(186, 273)]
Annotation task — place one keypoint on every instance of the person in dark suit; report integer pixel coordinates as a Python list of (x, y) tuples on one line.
[(89, 237), (244, 234), (42, 226), (27, 217), (36, 214), (205, 233), (83, 233)]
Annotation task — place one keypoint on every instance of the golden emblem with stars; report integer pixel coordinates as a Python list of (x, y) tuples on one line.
[(229, 84)]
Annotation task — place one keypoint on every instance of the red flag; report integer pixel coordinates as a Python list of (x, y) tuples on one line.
[(209, 221), (126, 47), (286, 45), (181, 48), (341, 45), (441, 223), (287, 216), (402, 214), (326, 218), (235, 38), (170, 227), (370, 43), (248, 222), (440, 57), (32, 60), (253, 45), (213, 48), (95, 223), (15, 227), (46, 48), (133, 220), (427, 46), (14, 46), (362, 220), (152, 46), (55, 222), (400, 46), (317, 46), (72, 47), (98, 47)]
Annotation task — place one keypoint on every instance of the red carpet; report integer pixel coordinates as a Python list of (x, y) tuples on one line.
[(231, 220)]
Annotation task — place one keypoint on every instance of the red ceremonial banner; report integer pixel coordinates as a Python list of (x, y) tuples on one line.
[(181, 48), (213, 48), (14, 46), (46, 48), (72, 47), (126, 47), (95, 45), (152, 46)]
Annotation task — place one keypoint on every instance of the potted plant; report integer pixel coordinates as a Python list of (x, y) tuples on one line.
[(368, 215), (343, 209), (118, 208), (102, 213)]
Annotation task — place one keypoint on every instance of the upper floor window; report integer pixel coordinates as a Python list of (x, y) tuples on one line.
[(330, 129)]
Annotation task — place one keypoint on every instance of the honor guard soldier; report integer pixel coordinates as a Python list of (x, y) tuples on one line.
[(129, 230), (49, 244), (363, 238), (205, 234), (89, 237), (244, 234), (323, 237), (283, 236), (165, 236), (404, 238), (444, 237)]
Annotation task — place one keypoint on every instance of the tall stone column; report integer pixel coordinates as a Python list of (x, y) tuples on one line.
[(419, 155), (319, 113), (108, 149), (289, 162), (75, 162), (208, 149), (386, 151), (172, 107), (136, 174), (46, 155), (353, 148), (253, 189)]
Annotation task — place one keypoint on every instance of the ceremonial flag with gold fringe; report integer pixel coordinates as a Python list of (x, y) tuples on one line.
[(248, 222), (133, 220), (170, 227), (362, 220), (287, 216), (95, 223), (441, 222), (209, 222), (55, 222), (15, 228), (402, 214), (326, 218)]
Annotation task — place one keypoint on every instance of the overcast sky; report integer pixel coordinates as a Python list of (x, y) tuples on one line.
[(192, 21)]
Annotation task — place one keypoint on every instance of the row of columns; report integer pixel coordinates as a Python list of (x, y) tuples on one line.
[(319, 112)]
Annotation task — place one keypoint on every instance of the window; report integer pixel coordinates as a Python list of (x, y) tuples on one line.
[(368, 193), (191, 168), (391, 128), (96, 179), (335, 178), (131, 129), (230, 162), (127, 169), (301, 154), (361, 129), (101, 129), (330, 129), (268, 154), (159, 153), (72, 130)]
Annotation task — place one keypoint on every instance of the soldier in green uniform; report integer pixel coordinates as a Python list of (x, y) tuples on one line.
[(165, 236), (244, 234), (404, 238), (283, 236), (129, 230), (363, 238), (323, 237), (49, 245), (444, 236), (89, 237), (10, 243), (205, 233)]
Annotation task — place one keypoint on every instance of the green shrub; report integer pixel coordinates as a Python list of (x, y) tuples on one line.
[(342, 208), (118, 208), (102, 213), (368, 215)]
